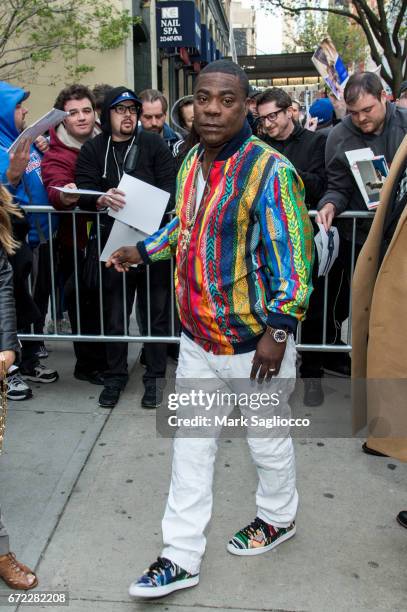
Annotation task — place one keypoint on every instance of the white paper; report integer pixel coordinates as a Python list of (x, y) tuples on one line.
[(327, 244), (353, 157), (121, 235), (42, 125), (78, 191), (145, 204)]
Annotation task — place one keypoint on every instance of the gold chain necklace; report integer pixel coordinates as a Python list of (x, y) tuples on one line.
[(3, 398), (189, 217)]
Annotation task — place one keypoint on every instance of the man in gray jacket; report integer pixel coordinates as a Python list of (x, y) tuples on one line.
[(373, 123)]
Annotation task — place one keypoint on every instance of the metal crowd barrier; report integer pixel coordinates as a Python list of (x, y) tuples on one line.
[(351, 217)]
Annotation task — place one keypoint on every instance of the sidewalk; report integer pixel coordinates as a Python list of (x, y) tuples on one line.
[(83, 493)]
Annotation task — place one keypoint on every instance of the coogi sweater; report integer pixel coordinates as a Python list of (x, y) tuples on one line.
[(249, 259)]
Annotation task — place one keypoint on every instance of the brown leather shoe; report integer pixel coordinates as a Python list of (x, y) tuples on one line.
[(15, 574)]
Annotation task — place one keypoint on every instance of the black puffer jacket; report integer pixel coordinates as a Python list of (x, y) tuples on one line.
[(306, 152), (8, 325)]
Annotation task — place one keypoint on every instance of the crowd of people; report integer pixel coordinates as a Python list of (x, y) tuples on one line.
[(96, 144), (243, 168)]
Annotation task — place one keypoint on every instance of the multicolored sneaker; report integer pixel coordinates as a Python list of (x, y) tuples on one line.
[(259, 537), (161, 578)]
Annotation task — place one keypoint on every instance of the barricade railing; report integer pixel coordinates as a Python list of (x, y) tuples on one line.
[(80, 335)]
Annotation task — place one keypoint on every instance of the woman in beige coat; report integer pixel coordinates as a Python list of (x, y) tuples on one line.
[(379, 321)]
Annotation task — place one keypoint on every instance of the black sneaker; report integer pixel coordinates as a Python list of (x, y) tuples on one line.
[(313, 392), (259, 537), (40, 374), (402, 518), (161, 578), (153, 395), (109, 397)]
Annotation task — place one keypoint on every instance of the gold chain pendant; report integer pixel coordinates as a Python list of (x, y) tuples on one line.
[(185, 238), (3, 398)]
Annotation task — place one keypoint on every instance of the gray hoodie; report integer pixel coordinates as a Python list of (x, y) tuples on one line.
[(175, 116)]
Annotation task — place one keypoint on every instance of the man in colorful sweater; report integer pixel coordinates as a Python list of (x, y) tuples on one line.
[(243, 244)]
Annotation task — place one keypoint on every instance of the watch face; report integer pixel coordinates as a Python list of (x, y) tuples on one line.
[(280, 335)]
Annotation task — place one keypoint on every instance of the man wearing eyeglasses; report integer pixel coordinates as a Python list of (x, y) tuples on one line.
[(122, 148), (306, 151)]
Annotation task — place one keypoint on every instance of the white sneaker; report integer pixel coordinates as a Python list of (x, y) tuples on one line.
[(41, 374), (16, 388)]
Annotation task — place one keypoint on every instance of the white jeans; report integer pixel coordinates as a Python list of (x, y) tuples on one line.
[(189, 504)]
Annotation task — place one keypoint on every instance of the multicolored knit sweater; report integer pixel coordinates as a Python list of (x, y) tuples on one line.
[(249, 258)]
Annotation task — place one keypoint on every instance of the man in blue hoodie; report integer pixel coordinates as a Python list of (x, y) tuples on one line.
[(20, 172)]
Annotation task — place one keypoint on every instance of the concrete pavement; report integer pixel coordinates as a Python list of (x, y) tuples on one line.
[(83, 492)]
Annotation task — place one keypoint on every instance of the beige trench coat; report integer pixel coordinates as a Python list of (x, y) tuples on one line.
[(379, 331)]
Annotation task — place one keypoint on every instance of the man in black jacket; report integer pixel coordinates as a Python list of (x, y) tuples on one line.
[(101, 164), (304, 149)]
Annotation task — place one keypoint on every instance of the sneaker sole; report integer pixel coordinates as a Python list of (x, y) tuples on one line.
[(27, 396), (40, 380), (247, 552), (161, 591)]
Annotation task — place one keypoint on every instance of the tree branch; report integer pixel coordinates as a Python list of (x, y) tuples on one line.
[(299, 9), (397, 26), (5, 37), (14, 62), (371, 17)]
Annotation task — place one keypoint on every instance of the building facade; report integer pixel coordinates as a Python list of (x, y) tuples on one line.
[(177, 64), (243, 19)]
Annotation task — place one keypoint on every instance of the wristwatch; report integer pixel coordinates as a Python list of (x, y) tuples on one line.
[(278, 335)]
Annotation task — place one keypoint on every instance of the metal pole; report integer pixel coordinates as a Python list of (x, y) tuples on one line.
[(75, 258), (102, 323), (153, 45), (51, 255)]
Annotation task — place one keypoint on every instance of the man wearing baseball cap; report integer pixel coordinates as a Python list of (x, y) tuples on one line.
[(122, 148), (323, 111)]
